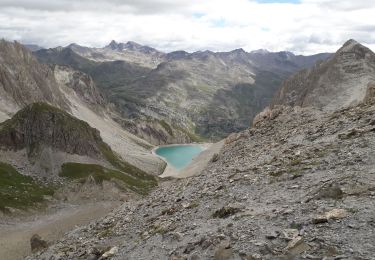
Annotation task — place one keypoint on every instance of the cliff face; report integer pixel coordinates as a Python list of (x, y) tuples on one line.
[(23, 80), (40, 124), (338, 82), (82, 84)]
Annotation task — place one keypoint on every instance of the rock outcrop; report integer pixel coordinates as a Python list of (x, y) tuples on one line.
[(40, 124), (23, 80)]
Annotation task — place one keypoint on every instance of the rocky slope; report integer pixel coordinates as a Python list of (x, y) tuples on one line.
[(202, 94), (299, 184), (24, 81), (335, 83)]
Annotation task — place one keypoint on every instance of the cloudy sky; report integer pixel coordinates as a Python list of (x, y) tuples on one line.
[(301, 26)]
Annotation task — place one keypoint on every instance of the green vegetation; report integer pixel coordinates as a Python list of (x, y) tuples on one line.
[(19, 191), (99, 173)]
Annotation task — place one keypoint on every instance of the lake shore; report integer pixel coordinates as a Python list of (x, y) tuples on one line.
[(198, 163)]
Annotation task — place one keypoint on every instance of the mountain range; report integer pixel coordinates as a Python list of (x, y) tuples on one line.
[(194, 96)]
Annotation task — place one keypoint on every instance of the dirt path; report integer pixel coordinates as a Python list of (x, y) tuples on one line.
[(15, 237)]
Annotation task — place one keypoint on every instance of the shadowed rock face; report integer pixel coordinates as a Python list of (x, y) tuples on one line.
[(40, 124), (338, 82)]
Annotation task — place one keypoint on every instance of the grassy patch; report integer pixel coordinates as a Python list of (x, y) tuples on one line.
[(19, 191), (81, 171)]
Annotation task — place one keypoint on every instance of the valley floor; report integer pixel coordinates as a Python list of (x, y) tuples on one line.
[(15, 235)]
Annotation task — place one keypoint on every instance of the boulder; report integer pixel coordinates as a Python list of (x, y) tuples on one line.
[(37, 243)]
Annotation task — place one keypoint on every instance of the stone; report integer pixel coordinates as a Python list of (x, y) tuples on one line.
[(319, 219), (290, 233), (331, 192), (215, 157), (336, 214), (225, 212), (297, 246), (254, 257), (272, 235), (37, 243), (224, 252), (110, 253)]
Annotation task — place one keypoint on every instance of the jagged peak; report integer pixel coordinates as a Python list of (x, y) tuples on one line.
[(112, 45)]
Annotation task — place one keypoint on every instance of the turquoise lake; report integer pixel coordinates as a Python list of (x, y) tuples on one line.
[(179, 156)]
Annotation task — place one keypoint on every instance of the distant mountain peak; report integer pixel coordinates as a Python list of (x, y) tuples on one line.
[(239, 50), (113, 45)]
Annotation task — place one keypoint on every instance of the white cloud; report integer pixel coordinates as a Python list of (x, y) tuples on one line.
[(309, 27)]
